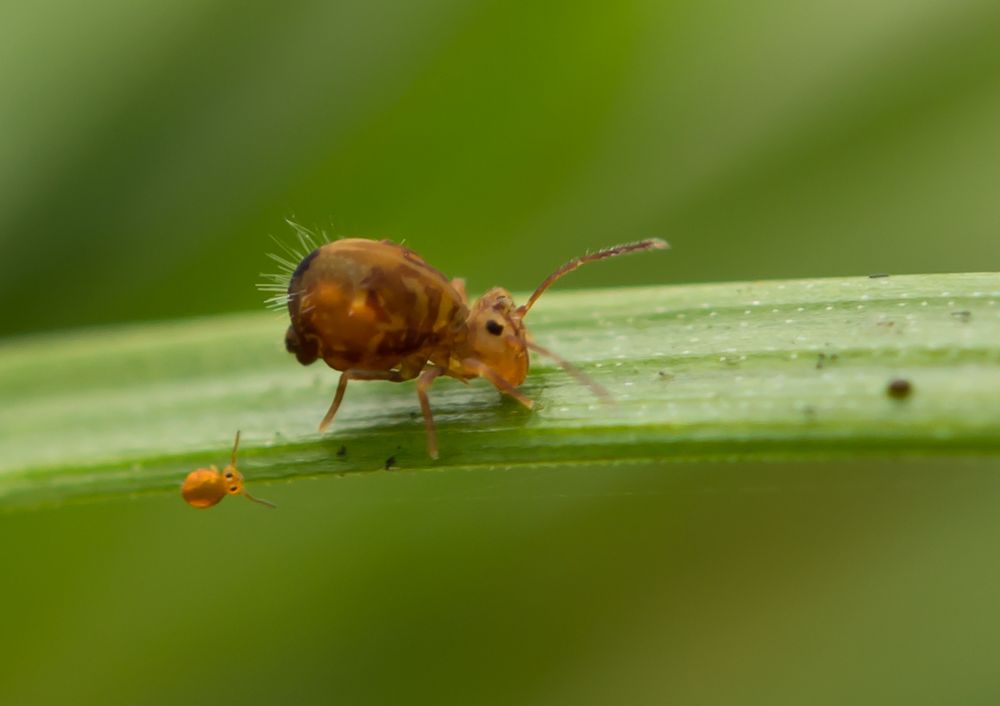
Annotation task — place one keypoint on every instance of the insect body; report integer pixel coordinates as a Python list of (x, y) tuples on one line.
[(376, 311), (205, 487)]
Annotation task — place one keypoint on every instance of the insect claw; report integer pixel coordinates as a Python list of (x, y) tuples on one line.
[(526, 401)]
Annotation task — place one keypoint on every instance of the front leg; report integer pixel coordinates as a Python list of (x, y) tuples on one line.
[(356, 374), (499, 382)]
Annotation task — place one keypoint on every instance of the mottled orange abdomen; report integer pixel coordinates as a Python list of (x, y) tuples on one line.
[(370, 304)]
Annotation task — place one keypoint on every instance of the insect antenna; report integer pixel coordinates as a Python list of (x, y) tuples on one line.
[(245, 494), (623, 249), (236, 445), (581, 376), (261, 501)]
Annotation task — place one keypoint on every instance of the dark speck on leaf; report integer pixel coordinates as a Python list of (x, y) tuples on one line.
[(390, 463), (822, 359), (878, 274), (342, 451), (899, 388), (962, 315)]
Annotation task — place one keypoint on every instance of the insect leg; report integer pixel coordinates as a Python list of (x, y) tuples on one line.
[(499, 382), (355, 374), (423, 384)]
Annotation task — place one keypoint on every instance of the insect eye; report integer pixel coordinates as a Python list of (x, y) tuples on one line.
[(233, 489), (494, 327), (229, 476)]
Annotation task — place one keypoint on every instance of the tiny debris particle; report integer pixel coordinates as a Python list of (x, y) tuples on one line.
[(390, 463), (877, 275), (342, 451), (899, 388)]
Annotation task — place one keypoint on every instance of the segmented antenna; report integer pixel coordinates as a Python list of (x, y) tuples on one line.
[(623, 249)]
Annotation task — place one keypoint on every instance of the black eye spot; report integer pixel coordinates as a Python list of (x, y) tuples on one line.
[(229, 476), (494, 327), (233, 489)]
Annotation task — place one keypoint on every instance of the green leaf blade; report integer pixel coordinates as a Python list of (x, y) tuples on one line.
[(750, 370)]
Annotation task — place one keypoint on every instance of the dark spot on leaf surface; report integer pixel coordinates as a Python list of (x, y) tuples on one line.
[(899, 388)]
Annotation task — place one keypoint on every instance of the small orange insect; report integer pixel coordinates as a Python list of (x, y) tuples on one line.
[(375, 310), (205, 487)]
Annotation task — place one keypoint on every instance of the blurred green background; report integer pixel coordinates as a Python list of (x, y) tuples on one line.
[(147, 153)]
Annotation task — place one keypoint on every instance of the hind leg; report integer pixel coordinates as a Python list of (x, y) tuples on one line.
[(356, 374)]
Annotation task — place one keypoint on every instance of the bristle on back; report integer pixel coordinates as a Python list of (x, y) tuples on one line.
[(276, 284)]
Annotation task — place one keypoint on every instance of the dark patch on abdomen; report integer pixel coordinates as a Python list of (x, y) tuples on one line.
[(304, 265), (373, 302), (433, 304), (293, 283)]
